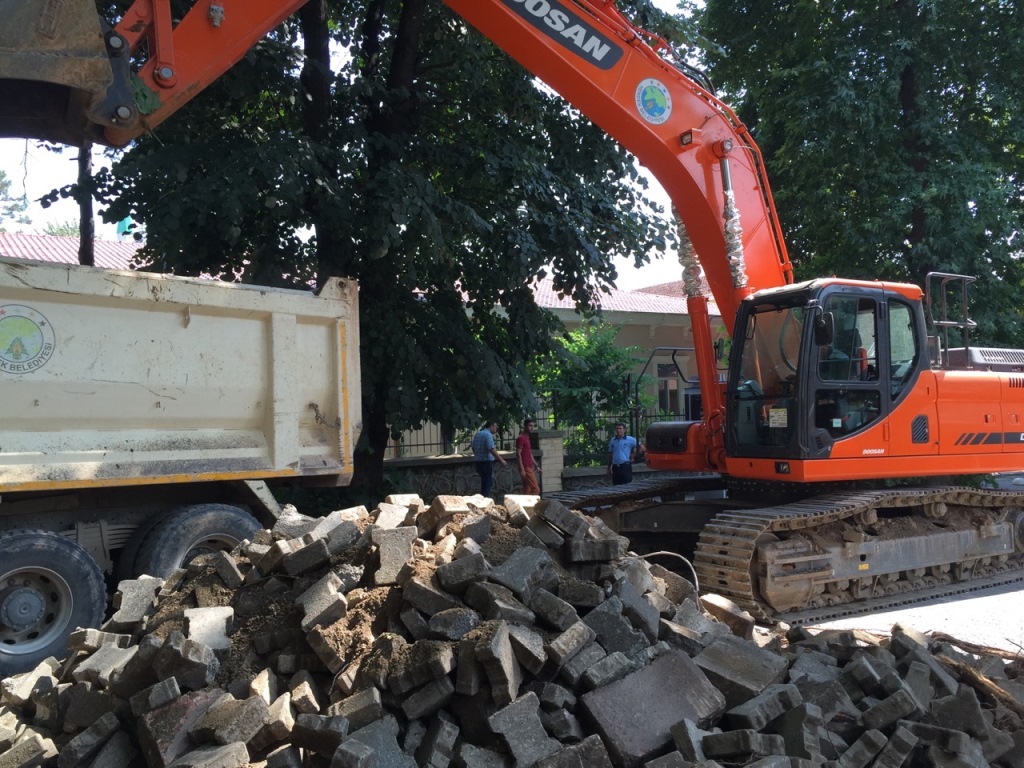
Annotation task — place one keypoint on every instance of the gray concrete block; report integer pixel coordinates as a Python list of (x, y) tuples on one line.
[(897, 749), (232, 720), (589, 753), (134, 600), (382, 737), (681, 637), (424, 596), (80, 750), (457, 575), (388, 516), (468, 755), (634, 716), (520, 727), (163, 733), (612, 667), (743, 744), (571, 523), (416, 623), (688, 740), (553, 611), (210, 626), (305, 558), (581, 594), (18, 690), (494, 651), (562, 725), (800, 728), (469, 675), (613, 630), (117, 752), (740, 670), (572, 671), (588, 551), (497, 603), (323, 603), (30, 752), (104, 665), (394, 548), (570, 642), (898, 706), (193, 664), (553, 696), (453, 623), (89, 640), (640, 612), (279, 725), (424, 661), (525, 571), (233, 755), (353, 754), (360, 709), (425, 701), (437, 748), (862, 750), (228, 570), (154, 697), (528, 647), (292, 524), (756, 713), (319, 733)]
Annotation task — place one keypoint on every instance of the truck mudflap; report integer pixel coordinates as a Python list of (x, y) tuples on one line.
[(845, 554), (63, 77)]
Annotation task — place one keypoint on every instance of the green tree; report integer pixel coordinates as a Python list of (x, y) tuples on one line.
[(11, 208), (61, 228), (582, 380), (892, 135), (426, 164)]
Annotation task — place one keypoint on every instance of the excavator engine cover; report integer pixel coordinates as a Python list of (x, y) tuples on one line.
[(61, 77)]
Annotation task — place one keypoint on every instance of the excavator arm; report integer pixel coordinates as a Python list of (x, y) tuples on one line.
[(67, 76)]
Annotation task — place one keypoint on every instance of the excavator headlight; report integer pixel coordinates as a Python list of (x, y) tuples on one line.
[(782, 467)]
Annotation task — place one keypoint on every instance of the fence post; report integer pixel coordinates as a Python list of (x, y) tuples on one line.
[(551, 443)]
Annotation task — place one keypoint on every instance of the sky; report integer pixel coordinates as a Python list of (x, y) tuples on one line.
[(34, 170)]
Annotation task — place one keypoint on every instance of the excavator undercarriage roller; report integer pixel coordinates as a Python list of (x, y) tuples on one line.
[(843, 554)]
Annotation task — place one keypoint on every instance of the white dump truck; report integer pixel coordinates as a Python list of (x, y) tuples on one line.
[(147, 418)]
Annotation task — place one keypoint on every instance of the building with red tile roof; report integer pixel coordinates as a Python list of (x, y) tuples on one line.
[(109, 254)]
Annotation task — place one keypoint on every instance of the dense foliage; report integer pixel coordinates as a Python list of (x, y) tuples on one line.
[(11, 208), (581, 382), (384, 140), (892, 134)]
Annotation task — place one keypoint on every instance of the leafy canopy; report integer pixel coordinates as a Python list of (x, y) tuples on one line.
[(892, 135), (388, 142)]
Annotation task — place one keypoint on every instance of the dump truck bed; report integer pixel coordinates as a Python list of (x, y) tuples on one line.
[(112, 378)]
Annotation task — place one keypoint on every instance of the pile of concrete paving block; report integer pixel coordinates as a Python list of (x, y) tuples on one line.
[(469, 634)]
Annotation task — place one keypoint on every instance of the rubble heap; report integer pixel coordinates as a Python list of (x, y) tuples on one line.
[(468, 634)]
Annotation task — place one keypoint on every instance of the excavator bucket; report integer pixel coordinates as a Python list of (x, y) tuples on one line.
[(63, 76)]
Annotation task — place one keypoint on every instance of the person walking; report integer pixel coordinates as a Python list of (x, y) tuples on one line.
[(524, 455), (621, 453), (485, 454)]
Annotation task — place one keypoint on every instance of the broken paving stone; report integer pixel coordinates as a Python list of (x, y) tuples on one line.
[(385, 659)]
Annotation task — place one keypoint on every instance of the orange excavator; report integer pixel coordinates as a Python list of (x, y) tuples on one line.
[(835, 388)]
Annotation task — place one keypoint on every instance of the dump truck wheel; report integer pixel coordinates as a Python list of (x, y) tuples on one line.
[(189, 532), (49, 586)]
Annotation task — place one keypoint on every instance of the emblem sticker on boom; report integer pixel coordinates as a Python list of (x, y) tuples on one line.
[(653, 101), (26, 339)]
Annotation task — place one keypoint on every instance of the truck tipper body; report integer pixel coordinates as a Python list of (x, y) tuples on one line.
[(145, 418)]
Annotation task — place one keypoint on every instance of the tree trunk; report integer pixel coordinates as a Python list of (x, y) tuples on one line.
[(86, 228)]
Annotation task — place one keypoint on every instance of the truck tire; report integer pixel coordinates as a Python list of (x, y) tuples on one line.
[(49, 586), (189, 532)]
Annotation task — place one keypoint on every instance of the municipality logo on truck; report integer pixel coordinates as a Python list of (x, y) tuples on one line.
[(26, 339), (566, 28)]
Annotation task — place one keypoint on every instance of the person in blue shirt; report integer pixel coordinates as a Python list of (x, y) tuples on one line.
[(484, 456), (621, 453)]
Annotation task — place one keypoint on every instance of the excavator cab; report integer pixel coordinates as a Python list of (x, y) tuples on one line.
[(64, 75), (817, 363)]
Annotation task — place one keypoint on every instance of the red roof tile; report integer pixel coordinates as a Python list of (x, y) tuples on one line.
[(109, 254)]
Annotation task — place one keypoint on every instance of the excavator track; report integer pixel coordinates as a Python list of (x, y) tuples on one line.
[(847, 554)]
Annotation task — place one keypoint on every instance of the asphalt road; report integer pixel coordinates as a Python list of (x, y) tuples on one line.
[(992, 617)]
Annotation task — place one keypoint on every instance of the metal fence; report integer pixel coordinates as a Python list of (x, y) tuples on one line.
[(580, 449)]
